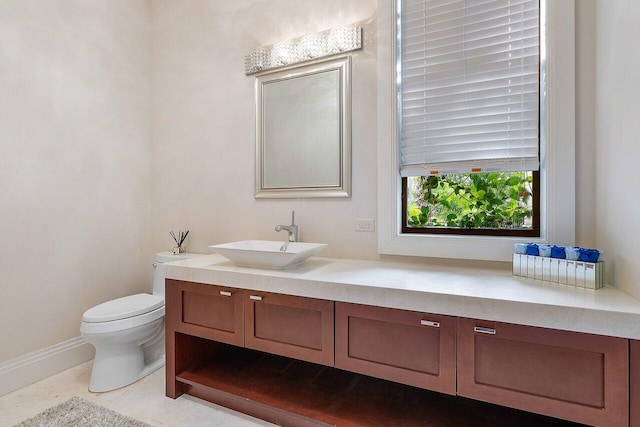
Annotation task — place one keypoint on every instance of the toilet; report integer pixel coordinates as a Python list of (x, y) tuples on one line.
[(128, 333)]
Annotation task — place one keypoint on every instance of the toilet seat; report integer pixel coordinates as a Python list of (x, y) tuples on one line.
[(123, 324), (122, 313), (123, 308)]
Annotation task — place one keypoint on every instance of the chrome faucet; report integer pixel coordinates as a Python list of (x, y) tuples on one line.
[(291, 229)]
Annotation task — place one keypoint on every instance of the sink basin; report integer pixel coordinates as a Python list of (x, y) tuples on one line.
[(267, 253)]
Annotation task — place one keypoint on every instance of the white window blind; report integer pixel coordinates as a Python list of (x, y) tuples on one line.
[(469, 93)]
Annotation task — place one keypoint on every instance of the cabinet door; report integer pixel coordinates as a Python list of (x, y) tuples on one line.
[(206, 311), (403, 346), (297, 327), (569, 375)]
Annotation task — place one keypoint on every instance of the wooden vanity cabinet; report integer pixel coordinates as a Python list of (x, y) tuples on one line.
[(408, 347), (195, 311), (296, 327), (574, 376), (569, 375)]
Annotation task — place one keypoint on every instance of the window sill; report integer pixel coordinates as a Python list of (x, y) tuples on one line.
[(487, 248)]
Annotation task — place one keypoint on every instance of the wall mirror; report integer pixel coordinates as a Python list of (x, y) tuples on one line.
[(303, 131)]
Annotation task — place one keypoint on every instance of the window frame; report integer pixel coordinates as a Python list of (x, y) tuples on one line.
[(557, 148)]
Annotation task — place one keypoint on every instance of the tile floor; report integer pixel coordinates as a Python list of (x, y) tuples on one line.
[(143, 400)]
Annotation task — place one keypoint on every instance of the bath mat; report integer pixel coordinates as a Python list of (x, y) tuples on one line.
[(78, 412)]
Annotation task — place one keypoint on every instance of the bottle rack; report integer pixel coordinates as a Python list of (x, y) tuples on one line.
[(589, 275)]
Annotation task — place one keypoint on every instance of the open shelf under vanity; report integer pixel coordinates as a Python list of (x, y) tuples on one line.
[(286, 391)]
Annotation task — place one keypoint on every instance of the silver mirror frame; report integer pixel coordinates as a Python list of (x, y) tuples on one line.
[(343, 189)]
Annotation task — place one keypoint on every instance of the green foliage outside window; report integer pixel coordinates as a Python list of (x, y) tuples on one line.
[(495, 200)]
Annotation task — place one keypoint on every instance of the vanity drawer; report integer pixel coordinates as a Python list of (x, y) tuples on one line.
[(408, 347), (570, 375), (207, 311), (296, 327)]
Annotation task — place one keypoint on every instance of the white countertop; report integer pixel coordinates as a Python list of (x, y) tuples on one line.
[(466, 292)]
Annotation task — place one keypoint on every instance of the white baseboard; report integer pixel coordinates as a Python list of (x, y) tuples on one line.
[(30, 368)]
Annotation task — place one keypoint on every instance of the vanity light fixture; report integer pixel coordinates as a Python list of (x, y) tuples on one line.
[(305, 48)]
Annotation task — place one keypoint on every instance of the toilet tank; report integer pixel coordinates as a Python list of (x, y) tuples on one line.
[(159, 268)]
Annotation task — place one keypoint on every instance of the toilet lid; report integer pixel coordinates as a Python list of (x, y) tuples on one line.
[(122, 308)]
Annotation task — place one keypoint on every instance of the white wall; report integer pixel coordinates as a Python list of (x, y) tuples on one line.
[(74, 164), (617, 112), (203, 123)]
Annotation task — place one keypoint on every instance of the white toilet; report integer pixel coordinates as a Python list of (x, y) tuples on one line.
[(128, 333)]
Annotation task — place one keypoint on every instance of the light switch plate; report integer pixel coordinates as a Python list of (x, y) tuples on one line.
[(365, 224)]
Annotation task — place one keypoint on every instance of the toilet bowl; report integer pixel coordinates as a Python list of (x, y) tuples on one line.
[(128, 333)]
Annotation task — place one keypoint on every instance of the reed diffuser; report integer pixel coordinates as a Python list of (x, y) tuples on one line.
[(179, 239)]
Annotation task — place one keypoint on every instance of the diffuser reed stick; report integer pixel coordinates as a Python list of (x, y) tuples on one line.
[(179, 239)]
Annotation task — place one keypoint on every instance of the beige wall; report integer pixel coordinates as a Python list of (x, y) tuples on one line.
[(74, 164), (203, 123), (607, 129), (617, 112), (111, 136)]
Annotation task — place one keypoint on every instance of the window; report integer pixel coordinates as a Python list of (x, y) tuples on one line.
[(556, 153), (491, 203), (468, 90)]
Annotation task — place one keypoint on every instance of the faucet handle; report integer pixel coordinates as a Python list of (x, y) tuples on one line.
[(293, 217)]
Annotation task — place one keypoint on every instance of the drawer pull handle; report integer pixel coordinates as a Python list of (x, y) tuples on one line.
[(430, 323), (225, 293), (482, 330), (255, 297)]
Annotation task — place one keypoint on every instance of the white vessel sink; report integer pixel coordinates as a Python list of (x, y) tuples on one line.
[(267, 253)]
